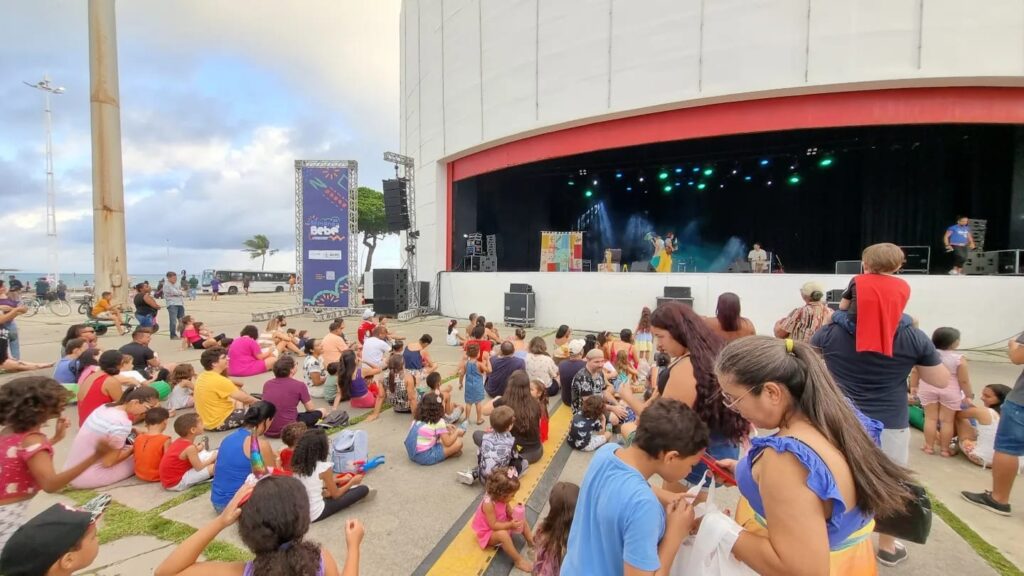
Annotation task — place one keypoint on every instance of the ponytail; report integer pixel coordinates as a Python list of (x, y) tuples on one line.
[(396, 364), (755, 360), (141, 394)]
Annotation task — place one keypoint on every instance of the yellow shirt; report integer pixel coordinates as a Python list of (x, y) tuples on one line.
[(102, 305), (213, 398)]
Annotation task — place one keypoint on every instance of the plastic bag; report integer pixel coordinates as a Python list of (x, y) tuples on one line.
[(709, 553)]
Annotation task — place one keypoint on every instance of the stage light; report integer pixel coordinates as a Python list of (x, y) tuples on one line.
[(595, 182), (690, 183), (663, 176), (641, 178), (709, 171), (825, 162), (618, 174), (588, 193), (769, 182), (678, 184), (747, 178), (721, 185), (733, 171), (572, 182), (764, 162), (668, 188), (696, 169), (701, 186), (678, 170), (629, 188), (794, 179)]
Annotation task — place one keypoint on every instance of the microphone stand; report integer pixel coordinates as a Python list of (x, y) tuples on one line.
[(779, 260)]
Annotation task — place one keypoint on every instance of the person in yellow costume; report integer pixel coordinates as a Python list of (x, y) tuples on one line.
[(662, 259)]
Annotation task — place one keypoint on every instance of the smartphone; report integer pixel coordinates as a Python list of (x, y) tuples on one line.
[(203, 442), (130, 440), (718, 470)]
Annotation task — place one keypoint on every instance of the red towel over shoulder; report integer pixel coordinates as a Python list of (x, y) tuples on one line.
[(881, 299)]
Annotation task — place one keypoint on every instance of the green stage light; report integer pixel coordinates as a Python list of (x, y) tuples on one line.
[(588, 193), (663, 176), (794, 179), (668, 188), (701, 186), (709, 171), (826, 162)]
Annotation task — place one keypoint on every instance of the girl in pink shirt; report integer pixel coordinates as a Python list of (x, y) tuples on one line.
[(245, 357)]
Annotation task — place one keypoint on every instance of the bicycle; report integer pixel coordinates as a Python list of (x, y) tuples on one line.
[(53, 304)]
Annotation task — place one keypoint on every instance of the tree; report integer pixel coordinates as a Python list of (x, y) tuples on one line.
[(259, 247), (372, 223)]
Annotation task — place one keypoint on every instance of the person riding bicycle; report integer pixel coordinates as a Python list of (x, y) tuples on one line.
[(105, 310)]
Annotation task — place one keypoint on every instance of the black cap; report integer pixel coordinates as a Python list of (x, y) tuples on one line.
[(26, 554)]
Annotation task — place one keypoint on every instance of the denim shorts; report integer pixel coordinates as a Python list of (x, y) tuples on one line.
[(1010, 434), (429, 457)]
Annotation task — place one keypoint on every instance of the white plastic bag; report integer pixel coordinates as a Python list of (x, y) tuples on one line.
[(709, 553)]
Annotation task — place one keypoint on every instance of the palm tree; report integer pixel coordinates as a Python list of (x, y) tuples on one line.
[(259, 247)]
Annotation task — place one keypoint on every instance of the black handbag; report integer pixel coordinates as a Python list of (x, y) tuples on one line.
[(913, 524)]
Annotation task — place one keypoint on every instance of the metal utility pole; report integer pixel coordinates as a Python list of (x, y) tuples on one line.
[(110, 259), (52, 257)]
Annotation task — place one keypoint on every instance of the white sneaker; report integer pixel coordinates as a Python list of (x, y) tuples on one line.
[(466, 477)]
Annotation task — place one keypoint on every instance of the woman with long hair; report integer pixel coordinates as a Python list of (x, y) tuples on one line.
[(816, 484), (273, 524), (727, 322), (804, 321), (690, 378), (101, 386), (234, 462), (400, 386), (526, 426)]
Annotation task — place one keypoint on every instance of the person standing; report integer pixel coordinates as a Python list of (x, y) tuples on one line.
[(214, 289), (245, 284), (193, 285), (146, 306), (758, 260), (174, 297), (958, 240)]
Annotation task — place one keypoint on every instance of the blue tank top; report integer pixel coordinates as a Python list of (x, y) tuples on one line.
[(357, 388), (233, 467), (841, 524), (413, 360)]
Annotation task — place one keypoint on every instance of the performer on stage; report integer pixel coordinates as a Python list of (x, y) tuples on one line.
[(661, 261), (758, 260), (958, 240)]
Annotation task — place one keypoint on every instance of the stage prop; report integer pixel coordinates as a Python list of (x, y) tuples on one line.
[(326, 217), (561, 251)]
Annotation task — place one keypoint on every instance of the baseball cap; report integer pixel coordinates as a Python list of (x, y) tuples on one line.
[(576, 346), (26, 554), (368, 313)]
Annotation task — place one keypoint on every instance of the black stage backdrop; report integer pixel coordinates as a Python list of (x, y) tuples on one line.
[(811, 196)]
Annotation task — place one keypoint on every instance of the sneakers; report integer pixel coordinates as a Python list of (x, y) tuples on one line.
[(467, 477), (984, 500), (892, 558)]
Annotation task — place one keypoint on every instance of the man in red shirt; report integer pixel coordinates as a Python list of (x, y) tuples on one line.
[(366, 327)]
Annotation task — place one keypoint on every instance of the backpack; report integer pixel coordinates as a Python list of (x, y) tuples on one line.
[(333, 419), (349, 446)]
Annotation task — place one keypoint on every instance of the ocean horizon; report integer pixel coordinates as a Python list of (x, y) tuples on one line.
[(78, 279)]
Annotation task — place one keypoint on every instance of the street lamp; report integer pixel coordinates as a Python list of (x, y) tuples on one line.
[(51, 195)]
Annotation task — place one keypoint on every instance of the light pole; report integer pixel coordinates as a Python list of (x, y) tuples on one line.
[(52, 257)]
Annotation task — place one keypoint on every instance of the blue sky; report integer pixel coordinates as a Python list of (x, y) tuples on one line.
[(218, 99)]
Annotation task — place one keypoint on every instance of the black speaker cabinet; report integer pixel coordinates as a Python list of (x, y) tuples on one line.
[(833, 297), (390, 290), (520, 288), (677, 292), (520, 309), (396, 204), (640, 266), (424, 292), (687, 301), (848, 267)]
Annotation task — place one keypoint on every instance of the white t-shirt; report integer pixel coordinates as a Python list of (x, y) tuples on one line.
[(310, 365), (134, 375), (757, 256), (375, 349), (181, 397), (314, 489)]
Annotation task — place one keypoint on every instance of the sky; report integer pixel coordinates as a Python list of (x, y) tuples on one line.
[(218, 100)]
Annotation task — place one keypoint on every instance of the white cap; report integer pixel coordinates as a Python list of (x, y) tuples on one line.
[(368, 313), (576, 346)]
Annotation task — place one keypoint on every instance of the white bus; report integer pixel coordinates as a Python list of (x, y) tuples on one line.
[(259, 280)]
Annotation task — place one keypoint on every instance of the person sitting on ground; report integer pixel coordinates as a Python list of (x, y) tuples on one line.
[(199, 338), (71, 543), (540, 394), (495, 519), (540, 366), (376, 348), (186, 462), (334, 342), (144, 359), (285, 393), (234, 463), (313, 368), (526, 427), (941, 404), (129, 375), (552, 536), (182, 386), (219, 401), (453, 338), (273, 525), (27, 404), (430, 439), (7, 362), (977, 442), (589, 381), (83, 331), (625, 374), (453, 411), (247, 358), (64, 371), (497, 448), (417, 359), (102, 387), (727, 322), (382, 322), (804, 321), (88, 363), (366, 328), (588, 430), (643, 536), (401, 387), (502, 366), (569, 367), (560, 350), (111, 423), (364, 393), (105, 309), (328, 493), (290, 437), (282, 340), (882, 298), (491, 333), (150, 446)]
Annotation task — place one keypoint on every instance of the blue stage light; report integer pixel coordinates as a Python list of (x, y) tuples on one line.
[(678, 170), (747, 178), (618, 174), (696, 169), (764, 162)]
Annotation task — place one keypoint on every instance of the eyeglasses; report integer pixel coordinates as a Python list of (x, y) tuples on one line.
[(731, 402)]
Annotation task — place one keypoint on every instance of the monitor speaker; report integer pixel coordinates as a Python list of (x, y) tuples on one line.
[(677, 292), (520, 288), (848, 267), (687, 301), (640, 266), (396, 204)]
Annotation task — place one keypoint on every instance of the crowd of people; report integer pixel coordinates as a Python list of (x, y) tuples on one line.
[(678, 396)]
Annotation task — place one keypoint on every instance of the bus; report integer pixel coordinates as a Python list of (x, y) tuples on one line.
[(259, 280)]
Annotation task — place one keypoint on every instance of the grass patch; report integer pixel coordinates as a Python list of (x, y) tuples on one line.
[(988, 552)]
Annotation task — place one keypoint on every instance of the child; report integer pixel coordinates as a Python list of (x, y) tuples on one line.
[(942, 404), (301, 338), (539, 391), (670, 439), (981, 448), (453, 338), (186, 462), (182, 385), (452, 411), (642, 335), (471, 375), (430, 439), (495, 521), (26, 454), (625, 374), (312, 466), (553, 532), (882, 298), (497, 448), (290, 435), (331, 382), (150, 446), (66, 368), (588, 430), (71, 543)]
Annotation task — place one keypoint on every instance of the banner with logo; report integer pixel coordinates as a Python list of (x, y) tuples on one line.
[(561, 251), (326, 224)]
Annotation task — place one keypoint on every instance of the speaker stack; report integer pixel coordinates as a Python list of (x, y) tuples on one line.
[(833, 298), (396, 205), (391, 291), (677, 294), (520, 306), (423, 287)]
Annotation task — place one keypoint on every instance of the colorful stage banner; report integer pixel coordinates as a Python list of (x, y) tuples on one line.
[(561, 251), (326, 220)]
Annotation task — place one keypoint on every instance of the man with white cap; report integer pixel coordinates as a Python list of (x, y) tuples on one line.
[(570, 367), (367, 326), (804, 321)]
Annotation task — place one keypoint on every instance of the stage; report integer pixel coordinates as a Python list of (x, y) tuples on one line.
[(986, 309)]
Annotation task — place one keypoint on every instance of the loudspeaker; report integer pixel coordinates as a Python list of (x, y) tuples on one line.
[(520, 288), (848, 267), (396, 204), (520, 308), (739, 266), (916, 259), (640, 266), (489, 264), (687, 301), (980, 263), (390, 290), (677, 292), (424, 292), (833, 297)]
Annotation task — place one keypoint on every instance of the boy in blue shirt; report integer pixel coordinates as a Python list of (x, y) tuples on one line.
[(620, 526)]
